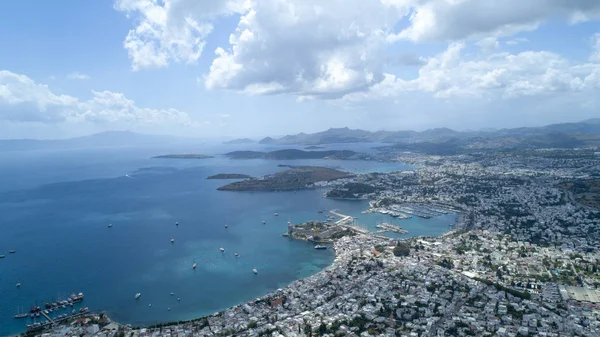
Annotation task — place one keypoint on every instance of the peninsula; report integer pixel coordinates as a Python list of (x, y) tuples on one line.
[(288, 154), (183, 156), (297, 177), (229, 176)]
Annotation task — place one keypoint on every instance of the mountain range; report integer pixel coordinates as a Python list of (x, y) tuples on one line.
[(444, 140), (345, 135)]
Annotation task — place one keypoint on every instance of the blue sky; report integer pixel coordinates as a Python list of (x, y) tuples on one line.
[(235, 68)]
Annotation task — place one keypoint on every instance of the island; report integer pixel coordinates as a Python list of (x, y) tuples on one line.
[(313, 147), (229, 176), (288, 154), (240, 141), (183, 156), (297, 177)]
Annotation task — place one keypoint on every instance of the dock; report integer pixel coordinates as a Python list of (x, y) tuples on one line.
[(47, 317), (345, 219)]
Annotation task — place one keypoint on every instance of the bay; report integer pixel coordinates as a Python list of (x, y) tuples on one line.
[(55, 207)]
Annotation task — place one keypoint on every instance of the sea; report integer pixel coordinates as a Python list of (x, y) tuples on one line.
[(56, 205)]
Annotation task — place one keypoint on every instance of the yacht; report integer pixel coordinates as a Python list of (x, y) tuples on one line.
[(320, 247), (172, 294), (109, 225), (21, 314), (18, 284), (236, 254), (168, 309), (176, 223), (276, 214), (222, 250), (225, 225), (1, 256), (172, 240), (12, 251), (178, 299), (194, 265), (255, 271), (138, 295), (150, 304), (264, 222)]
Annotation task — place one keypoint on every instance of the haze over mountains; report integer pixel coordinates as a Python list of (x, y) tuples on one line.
[(345, 135), (440, 140)]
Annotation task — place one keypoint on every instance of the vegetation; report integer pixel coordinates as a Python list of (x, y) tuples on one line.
[(402, 249), (229, 176), (297, 177), (292, 154)]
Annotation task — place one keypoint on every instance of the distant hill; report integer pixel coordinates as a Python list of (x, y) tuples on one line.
[(293, 154), (240, 141), (444, 140), (108, 138)]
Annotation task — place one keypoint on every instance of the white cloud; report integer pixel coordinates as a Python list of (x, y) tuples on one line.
[(309, 48), (488, 44), (516, 41), (78, 76), (499, 75), (448, 20), (171, 30), (23, 100)]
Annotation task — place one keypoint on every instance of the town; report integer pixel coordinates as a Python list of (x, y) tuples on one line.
[(522, 260)]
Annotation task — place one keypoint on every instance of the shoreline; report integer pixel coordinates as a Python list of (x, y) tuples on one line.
[(339, 250)]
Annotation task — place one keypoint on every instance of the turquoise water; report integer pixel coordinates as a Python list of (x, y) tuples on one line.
[(55, 206)]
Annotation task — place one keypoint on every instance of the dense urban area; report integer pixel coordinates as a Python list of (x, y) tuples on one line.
[(522, 260)]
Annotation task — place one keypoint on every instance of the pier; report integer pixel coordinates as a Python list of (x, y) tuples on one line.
[(345, 219), (47, 317)]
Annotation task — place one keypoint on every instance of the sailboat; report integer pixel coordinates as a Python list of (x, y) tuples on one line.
[(222, 250), (194, 265), (21, 314), (255, 271)]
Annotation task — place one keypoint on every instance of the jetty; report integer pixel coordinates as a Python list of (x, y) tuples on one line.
[(47, 317), (386, 227)]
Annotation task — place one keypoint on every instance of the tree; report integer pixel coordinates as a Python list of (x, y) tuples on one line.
[(402, 249)]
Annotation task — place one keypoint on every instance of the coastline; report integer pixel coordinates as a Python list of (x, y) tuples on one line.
[(343, 253)]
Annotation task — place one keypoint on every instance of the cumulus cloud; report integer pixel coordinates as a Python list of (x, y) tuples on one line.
[(445, 20), (328, 49), (501, 75), (23, 100), (78, 76), (171, 30), (595, 56), (310, 48)]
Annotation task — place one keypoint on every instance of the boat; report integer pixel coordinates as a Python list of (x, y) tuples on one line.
[(109, 225), (194, 265), (255, 271), (276, 214), (176, 223), (35, 309), (172, 240), (178, 299), (150, 304), (236, 254), (264, 222), (172, 294), (2, 256), (138, 295), (21, 314), (12, 251), (168, 309), (320, 247), (18, 285), (222, 250), (225, 225)]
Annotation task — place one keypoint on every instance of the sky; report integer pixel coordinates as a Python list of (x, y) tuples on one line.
[(254, 68)]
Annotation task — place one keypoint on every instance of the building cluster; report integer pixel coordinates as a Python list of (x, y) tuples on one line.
[(524, 260)]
